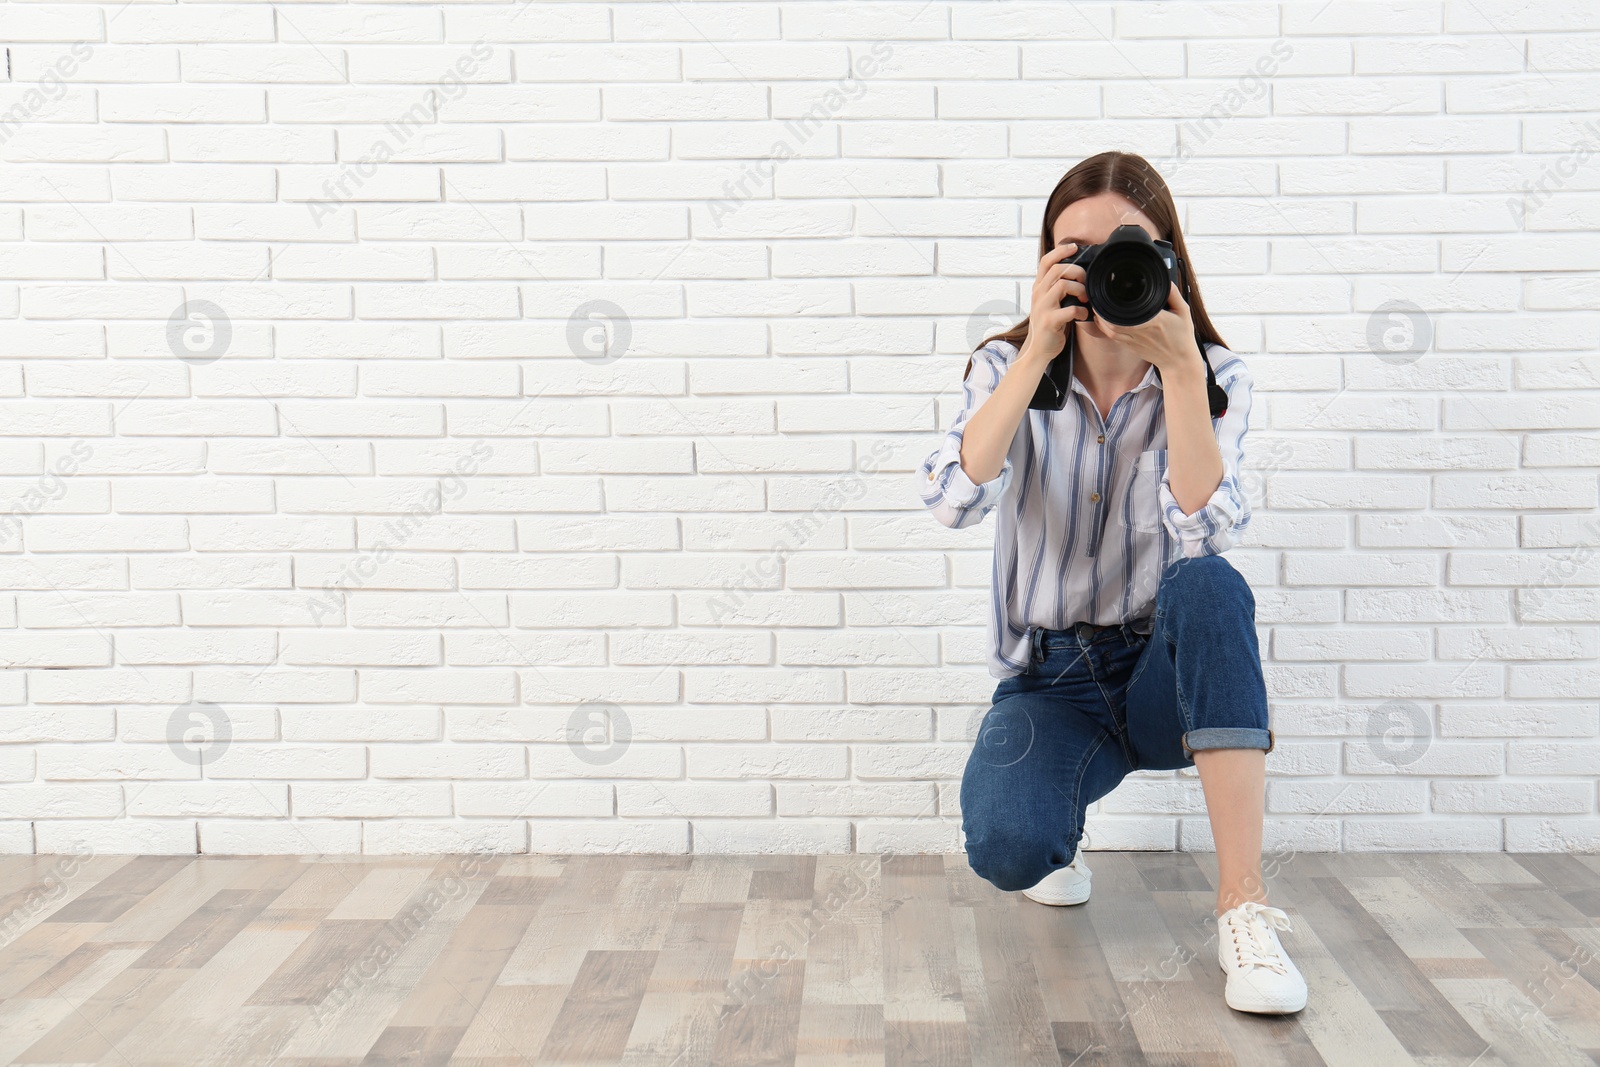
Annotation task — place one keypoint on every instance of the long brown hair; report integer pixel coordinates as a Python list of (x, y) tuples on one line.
[(1132, 177)]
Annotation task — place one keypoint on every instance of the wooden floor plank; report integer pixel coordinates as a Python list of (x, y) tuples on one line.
[(37, 950), (44, 889), (924, 1018), (52, 1011), (1409, 920), (691, 987), (96, 1028), (206, 1019), (1343, 1027), (1510, 1024), (1092, 1012), (554, 946), (597, 1015), (1000, 993), (120, 890), (1554, 982), (371, 986)]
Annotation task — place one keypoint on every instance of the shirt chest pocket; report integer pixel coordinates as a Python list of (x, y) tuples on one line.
[(1142, 508)]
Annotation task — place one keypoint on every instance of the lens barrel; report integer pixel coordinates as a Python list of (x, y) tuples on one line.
[(1129, 279)]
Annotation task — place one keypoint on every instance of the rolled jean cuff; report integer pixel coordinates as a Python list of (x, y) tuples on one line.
[(1228, 737)]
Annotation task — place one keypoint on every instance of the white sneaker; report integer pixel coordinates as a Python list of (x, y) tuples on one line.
[(1069, 885), (1261, 976)]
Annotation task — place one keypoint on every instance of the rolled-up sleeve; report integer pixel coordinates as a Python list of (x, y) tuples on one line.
[(1221, 520), (955, 499)]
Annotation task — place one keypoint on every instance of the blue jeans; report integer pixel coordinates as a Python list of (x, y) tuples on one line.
[(1096, 704)]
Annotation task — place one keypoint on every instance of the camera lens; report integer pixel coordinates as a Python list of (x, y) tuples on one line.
[(1127, 286), (1128, 283)]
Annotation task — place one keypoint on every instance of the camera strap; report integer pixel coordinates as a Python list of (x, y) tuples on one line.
[(1216, 396), (1056, 383)]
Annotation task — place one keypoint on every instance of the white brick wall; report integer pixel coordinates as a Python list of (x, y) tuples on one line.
[(378, 529)]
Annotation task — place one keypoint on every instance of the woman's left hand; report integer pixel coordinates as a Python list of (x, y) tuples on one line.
[(1166, 340)]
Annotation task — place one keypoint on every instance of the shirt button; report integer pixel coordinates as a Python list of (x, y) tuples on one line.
[(1101, 439), (1094, 496)]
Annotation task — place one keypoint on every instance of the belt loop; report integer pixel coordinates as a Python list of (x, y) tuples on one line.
[(1037, 653)]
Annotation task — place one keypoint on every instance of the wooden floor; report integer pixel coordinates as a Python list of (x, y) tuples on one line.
[(830, 961)]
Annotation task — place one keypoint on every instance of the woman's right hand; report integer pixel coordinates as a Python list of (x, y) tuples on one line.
[(989, 432), (1048, 321)]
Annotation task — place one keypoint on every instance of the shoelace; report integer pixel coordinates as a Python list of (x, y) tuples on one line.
[(1257, 950)]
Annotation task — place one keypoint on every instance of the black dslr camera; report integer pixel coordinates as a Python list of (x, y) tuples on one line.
[(1128, 277)]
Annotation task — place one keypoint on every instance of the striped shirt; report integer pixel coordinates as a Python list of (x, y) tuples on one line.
[(1090, 523)]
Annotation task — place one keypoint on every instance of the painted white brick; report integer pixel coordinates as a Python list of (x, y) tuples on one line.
[(1394, 176), (1291, 491), (1427, 835), (1528, 643), (427, 836), (1441, 55), (371, 800), (359, 724), (1363, 17), (1347, 798), (283, 762), (260, 837), (929, 836), (720, 800), (1342, 645), (1514, 797), (557, 836), (1578, 834), (533, 799), (61, 801), (242, 800), (172, 647), (119, 762), (1519, 720), (56, 24), (119, 837), (1249, 60), (1424, 681), (1342, 570), (1436, 531), (650, 762), (299, 686), (782, 837), (771, 761), (1382, 135), (222, 24), (1546, 758), (1551, 680), (1426, 605)]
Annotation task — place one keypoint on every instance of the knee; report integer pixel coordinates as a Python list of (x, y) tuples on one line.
[(1210, 581), (1202, 571), (1015, 861)]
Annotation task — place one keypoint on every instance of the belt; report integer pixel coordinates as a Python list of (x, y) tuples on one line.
[(1089, 629), (1084, 630)]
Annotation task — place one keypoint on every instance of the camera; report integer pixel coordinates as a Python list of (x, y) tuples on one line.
[(1127, 278)]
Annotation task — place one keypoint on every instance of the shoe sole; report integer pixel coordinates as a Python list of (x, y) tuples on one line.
[(1057, 902), (1258, 1009)]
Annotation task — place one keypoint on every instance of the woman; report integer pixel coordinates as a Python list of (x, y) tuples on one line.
[(1122, 639)]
